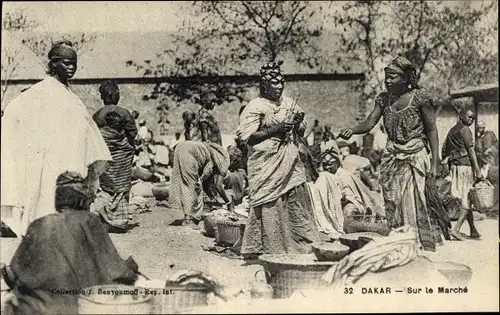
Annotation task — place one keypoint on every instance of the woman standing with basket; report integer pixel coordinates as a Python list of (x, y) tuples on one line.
[(281, 218), (459, 153)]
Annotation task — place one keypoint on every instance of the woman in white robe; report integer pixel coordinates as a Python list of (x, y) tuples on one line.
[(46, 131)]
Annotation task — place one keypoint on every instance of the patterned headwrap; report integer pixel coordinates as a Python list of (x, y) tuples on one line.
[(62, 50), (330, 155), (403, 66), (271, 71)]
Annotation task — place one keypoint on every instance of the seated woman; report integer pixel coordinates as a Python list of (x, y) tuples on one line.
[(69, 250), (198, 167), (338, 196), (236, 181)]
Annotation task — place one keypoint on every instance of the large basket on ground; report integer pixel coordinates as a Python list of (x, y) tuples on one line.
[(114, 299), (482, 196), (175, 299), (229, 232), (288, 273)]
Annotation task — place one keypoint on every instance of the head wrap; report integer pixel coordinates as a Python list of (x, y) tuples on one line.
[(109, 88), (271, 71), (208, 96), (403, 66), (481, 124), (235, 154), (62, 50), (219, 156), (330, 155)]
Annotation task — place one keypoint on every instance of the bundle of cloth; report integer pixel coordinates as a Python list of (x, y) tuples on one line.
[(397, 249)]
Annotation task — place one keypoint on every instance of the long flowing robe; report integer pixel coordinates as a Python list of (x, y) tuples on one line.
[(281, 219), (46, 131)]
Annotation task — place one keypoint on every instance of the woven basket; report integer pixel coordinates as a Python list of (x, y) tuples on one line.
[(288, 273), (362, 218), (229, 232), (133, 300), (483, 197), (170, 300)]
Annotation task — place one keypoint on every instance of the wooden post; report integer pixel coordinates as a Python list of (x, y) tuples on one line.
[(475, 99)]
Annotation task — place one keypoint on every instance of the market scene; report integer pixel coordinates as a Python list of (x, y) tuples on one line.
[(249, 157)]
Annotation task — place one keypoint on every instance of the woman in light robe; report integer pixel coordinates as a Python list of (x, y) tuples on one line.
[(338, 194), (281, 218), (47, 131)]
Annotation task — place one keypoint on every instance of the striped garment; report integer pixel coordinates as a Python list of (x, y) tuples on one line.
[(118, 175), (402, 176)]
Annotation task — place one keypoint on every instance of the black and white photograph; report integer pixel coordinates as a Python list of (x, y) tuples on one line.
[(258, 157)]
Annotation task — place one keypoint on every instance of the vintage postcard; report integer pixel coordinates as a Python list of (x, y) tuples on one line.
[(265, 157)]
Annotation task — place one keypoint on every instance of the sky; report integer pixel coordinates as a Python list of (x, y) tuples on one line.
[(113, 16), (105, 16)]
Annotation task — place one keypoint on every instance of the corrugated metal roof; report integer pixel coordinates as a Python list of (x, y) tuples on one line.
[(480, 90)]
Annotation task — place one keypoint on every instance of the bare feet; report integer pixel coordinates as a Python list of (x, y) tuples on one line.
[(191, 223), (456, 235), (475, 234)]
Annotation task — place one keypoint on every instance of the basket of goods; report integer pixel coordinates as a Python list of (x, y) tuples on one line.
[(210, 219), (356, 241), (184, 290), (161, 191), (482, 195), (288, 273), (114, 299), (326, 251), (366, 223), (229, 230)]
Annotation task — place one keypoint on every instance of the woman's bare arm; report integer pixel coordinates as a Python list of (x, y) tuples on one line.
[(369, 122)]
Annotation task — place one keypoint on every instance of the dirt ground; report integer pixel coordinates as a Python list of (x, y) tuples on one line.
[(161, 249)]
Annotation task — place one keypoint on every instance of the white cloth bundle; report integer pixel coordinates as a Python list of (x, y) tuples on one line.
[(398, 249)]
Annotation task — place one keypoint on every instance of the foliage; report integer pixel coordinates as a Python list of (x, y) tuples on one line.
[(450, 45), (17, 21), (236, 37), (41, 44), (20, 25)]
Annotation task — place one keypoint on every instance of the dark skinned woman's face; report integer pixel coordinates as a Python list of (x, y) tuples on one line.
[(331, 166), (274, 90), (64, 68), (468, 118), (394, 82)]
